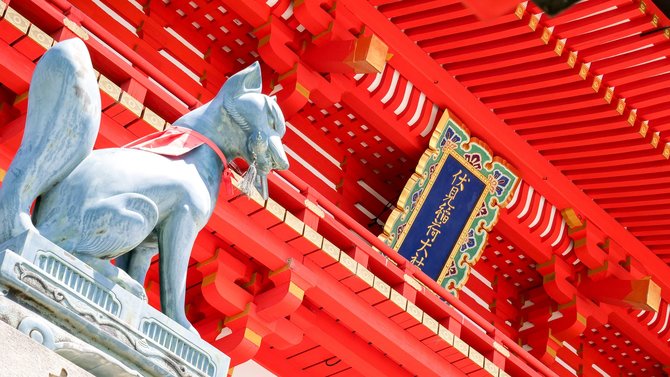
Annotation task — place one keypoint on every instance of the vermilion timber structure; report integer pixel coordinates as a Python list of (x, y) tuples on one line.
[(578, 104)]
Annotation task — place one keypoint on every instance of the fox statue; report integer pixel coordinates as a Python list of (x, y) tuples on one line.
[(133, 202)]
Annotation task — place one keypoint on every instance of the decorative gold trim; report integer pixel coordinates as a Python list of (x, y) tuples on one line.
[(130, 103), (491, 367), (413, 282), (609, 94), (40, 37), (212, 259), (551, 351), (596, 83), (581, 318), (446, 335), (348, 262), (546, 34), (632, 116), (411, 182), (560, 46), (655, 138), (568, 304), (295, 290), (399, 299), (256, 197), (666, 151), (153, 119), (572, 59), (251, 281), (584, 70), (548, 278), (645, 293), (330, 249), (17, 20), (252, 336), (393, 218), (534, 21), (549, 262), (500, 348), (209, 279), (293, 222), (579, 243), (430, 323), (242, 314), (369, 56), (325, 32), (654, 20), (365, 275), (276, 209), (75, 28), (109, 88), (476, 357), (520, 9), (461, 346), (439, 128), (302, 90), (382, 287), (643, 7), (281, 269), (313, 236), (288, 73), (601, 268), (414, 311), (310, 205), (263, 41), (621, 106), (644, 127)]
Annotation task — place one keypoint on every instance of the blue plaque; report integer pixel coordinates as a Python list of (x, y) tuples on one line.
[(454, 194), (449, 204)]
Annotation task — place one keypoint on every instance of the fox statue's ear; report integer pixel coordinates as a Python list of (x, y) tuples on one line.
[(245, 81), (252, 78)]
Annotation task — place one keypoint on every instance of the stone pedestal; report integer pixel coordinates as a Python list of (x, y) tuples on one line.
[(23, 357), (71, 309)]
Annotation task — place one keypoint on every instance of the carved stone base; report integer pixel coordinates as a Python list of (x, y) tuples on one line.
[(64, 304), (23, 356)]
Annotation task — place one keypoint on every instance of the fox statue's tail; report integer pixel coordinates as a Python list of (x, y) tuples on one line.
[(61, 126)]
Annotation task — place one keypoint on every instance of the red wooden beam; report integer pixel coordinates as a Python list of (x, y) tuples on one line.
[(351, 348)]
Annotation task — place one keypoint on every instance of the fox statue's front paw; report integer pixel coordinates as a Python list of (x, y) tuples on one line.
[(131, 286), (115, 274), (12, 228), (188, 326)]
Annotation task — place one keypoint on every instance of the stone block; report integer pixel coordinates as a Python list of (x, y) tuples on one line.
[(87, 319)]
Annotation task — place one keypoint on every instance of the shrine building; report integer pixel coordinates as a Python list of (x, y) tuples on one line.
[(476, 187)]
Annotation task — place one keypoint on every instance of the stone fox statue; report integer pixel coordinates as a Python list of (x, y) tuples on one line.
[(123, 202)]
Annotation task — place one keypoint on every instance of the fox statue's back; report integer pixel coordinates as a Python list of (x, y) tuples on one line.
[(61, 127), (131, 203)]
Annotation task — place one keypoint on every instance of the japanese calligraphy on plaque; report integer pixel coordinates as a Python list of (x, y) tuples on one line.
[(449, 204)]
